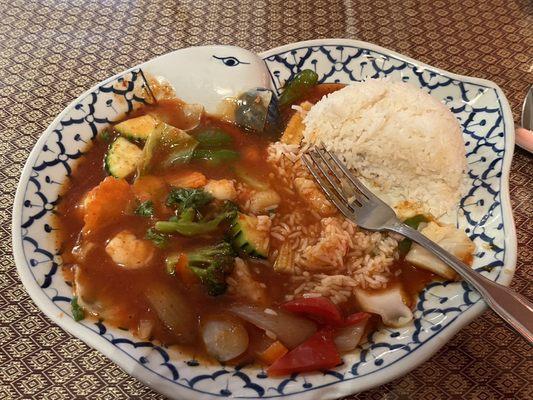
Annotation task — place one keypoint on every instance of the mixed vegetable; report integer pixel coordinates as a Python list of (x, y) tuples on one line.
[(191, 253)]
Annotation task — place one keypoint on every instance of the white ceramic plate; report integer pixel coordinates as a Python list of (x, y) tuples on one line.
[(205, 75)]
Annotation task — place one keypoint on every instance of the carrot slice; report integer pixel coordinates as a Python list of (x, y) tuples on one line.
[(273, 352), (186, 275)]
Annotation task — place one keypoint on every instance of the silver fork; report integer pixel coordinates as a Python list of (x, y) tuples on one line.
[(361, 206)]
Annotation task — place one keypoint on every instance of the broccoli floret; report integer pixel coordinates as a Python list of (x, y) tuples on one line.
[(212, 264), (183, 198), (185, 224), (145, 209), (229, 209), (205, 256), (77, 311), (159, 239)]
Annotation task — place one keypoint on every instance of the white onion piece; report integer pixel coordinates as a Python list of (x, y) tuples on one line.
[(449, 238), (289, 329), (224, 339), (86, 297), (144, 328), (82, 249), (388, 303), (172, 308), (188, 115), (192, 115), (348, 338)]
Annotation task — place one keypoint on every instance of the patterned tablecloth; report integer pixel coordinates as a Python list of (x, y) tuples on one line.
[(51, 51)]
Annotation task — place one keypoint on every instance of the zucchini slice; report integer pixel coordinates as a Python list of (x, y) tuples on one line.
[(137, 129), (122, 158), (247, 239)]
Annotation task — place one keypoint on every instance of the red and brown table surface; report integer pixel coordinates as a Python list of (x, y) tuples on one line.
[(51, 51)]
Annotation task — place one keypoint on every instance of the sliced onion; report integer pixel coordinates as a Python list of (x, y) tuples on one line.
[(82, 249), (185, 116), (86, 298), (174, 311), (144, 328), (348, 338), (449, 238), (192, 115), (224, 338), (289, 329)]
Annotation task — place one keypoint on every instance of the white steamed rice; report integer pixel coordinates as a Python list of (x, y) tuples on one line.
[(405, 144)]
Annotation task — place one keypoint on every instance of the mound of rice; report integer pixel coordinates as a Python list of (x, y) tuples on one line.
[(405, 145)]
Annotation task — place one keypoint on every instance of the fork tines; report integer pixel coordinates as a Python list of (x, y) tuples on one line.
[(342, 188)]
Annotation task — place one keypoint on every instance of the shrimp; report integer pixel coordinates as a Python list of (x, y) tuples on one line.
[(223, 189), (126, 250), (191, 180), (149, 188), (104, 203)]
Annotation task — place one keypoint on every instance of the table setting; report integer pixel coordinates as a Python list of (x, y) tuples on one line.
[(71, 70)]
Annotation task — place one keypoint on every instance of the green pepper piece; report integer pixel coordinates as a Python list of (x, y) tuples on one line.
[(297, 87), (405, 245), (215, 157), (415, 221), (213, 138)]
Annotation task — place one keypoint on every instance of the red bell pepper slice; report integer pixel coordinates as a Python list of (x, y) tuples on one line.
[(316, 353), (320, 309)]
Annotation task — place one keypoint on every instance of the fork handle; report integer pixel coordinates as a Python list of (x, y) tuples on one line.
[(514, 308)]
